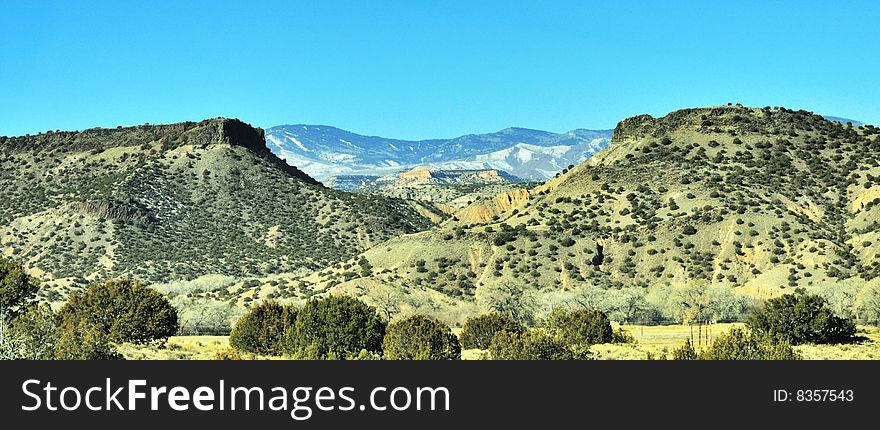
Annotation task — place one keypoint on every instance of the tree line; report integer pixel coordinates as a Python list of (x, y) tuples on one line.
[(343, 327)]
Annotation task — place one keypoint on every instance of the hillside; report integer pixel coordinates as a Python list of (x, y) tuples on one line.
[(324, 152), (174, 202), (760, 201)]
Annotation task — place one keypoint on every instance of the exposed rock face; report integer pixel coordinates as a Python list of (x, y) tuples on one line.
[(417, 174), (502, 203), (423, 175), (123, 212)]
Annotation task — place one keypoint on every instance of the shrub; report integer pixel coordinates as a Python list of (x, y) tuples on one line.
[(531, 345), (684, 352), (479, 331), (261, 330), (80, 340), (420, 338), (335, 327), (740, 345), (622, 336), (17, 289), (801, 319), (580, 327), (35, 333), (124, 310)]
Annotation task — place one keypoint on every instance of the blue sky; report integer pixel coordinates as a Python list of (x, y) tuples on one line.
[(420, 69)]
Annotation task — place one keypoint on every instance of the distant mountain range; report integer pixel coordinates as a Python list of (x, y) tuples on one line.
[(325, 152), (843, 120)]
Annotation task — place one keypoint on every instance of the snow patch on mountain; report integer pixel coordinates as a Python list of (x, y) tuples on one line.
[(324, 152)]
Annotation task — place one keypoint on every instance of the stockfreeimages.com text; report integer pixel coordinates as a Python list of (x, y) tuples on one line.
[(300, 402)]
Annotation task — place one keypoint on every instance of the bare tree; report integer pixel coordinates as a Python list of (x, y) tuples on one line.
[(867, 306), (630, 303), (590, 297), (514, 300), (387, 300), (203, 315), (694, 304)]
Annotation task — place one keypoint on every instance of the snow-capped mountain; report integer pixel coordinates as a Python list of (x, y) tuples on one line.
[(324, 152)]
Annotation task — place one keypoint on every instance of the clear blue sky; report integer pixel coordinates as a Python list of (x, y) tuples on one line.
[(419, 69)]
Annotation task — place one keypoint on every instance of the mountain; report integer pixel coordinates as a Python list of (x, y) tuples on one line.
[(844, 120), (757, 201), (178, 201), (324, 152)]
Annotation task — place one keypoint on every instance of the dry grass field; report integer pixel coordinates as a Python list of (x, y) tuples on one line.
[(178, 348)]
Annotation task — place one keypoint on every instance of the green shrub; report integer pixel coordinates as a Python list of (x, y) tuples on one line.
[(420, 338), (684, 352), (479, 331), (531, 345), (35, 333), (262, 328), (80, 340), (580, 327), (17, 289), (737, 344), (335, 327), (124, 310), (801, 319)]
